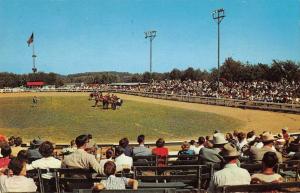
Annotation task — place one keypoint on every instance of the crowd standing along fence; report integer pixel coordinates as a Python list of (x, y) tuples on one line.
[(245, 104)]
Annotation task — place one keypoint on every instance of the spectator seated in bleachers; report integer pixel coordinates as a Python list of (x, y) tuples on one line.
[(201, 142), (268, 174), (109, 157), (161, 152), (33, 150), (124, 143), (285, 133), (251, 136), (6, 153), (80, 158), (229, 137), (17, 146), (185, 150), (123, 162), (211, 155), (48, 161), (242, 141), (256, 154), (18, 182), (231, 174), (141, 150), (113, 182), (23, 155)]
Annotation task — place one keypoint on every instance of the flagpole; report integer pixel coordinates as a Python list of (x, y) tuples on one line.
[(33, 59)]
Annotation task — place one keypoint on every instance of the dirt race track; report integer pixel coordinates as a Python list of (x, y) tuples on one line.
[(252, 119)]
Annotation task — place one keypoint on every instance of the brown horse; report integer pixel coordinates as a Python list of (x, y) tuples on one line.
[(97, 97), (106, 100)]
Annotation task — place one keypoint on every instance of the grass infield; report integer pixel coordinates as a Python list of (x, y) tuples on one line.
[(61, 118)]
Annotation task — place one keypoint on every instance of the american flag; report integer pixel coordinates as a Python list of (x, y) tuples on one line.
[(30, 40)]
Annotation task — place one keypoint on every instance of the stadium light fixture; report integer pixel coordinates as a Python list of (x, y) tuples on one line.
[(218, 15), (151, 35)]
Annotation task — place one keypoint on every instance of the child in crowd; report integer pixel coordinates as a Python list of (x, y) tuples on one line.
[(113, 182)]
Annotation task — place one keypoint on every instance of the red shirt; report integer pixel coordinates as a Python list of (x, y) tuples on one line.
[(286, 136), (160, 151), (162, 154), (4, 161)]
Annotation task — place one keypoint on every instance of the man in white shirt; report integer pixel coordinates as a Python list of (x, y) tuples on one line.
[(18, 182), (48, 161), (231, 174), (122, 161)]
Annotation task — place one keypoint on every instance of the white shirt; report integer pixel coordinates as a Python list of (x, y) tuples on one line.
[(45, 163), (16, 184), (260, 145), (241, 144), (196, 148), (102, 162), (123, 161), (115, 183), (230, 175)]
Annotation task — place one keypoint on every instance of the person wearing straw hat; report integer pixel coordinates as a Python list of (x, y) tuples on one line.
[(256, 154), (211, 155), (231, 174)]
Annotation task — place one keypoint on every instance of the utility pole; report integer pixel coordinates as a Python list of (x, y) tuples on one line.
[(218, 16), (151, 35)]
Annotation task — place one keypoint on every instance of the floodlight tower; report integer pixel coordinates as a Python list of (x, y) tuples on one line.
[(218, 16), (151, 35)]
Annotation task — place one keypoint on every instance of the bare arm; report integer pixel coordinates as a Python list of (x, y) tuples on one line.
[(99, 186), (133, 183)]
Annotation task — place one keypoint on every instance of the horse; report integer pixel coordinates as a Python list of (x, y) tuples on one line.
[(106, 100), (97, 97)]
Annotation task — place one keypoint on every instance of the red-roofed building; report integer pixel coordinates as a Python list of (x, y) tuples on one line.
[(35, 84)]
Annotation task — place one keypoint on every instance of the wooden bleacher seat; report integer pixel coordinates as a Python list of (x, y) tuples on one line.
[(144, 160), (154, 190), (281, 187), (289, 170), (187, 176), (67, 179)]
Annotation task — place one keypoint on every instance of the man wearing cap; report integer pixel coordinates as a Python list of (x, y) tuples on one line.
[(211, 155), (231, 174), (285, 134), (80, 158), (256, 154), (33, 150)]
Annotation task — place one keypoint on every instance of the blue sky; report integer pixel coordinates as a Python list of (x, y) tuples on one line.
[(99, 35)]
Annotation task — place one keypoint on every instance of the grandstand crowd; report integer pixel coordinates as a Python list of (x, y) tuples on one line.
[(265, 91), (228, 150)]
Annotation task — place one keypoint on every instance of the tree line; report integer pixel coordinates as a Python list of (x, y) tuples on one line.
[(230, 70)]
